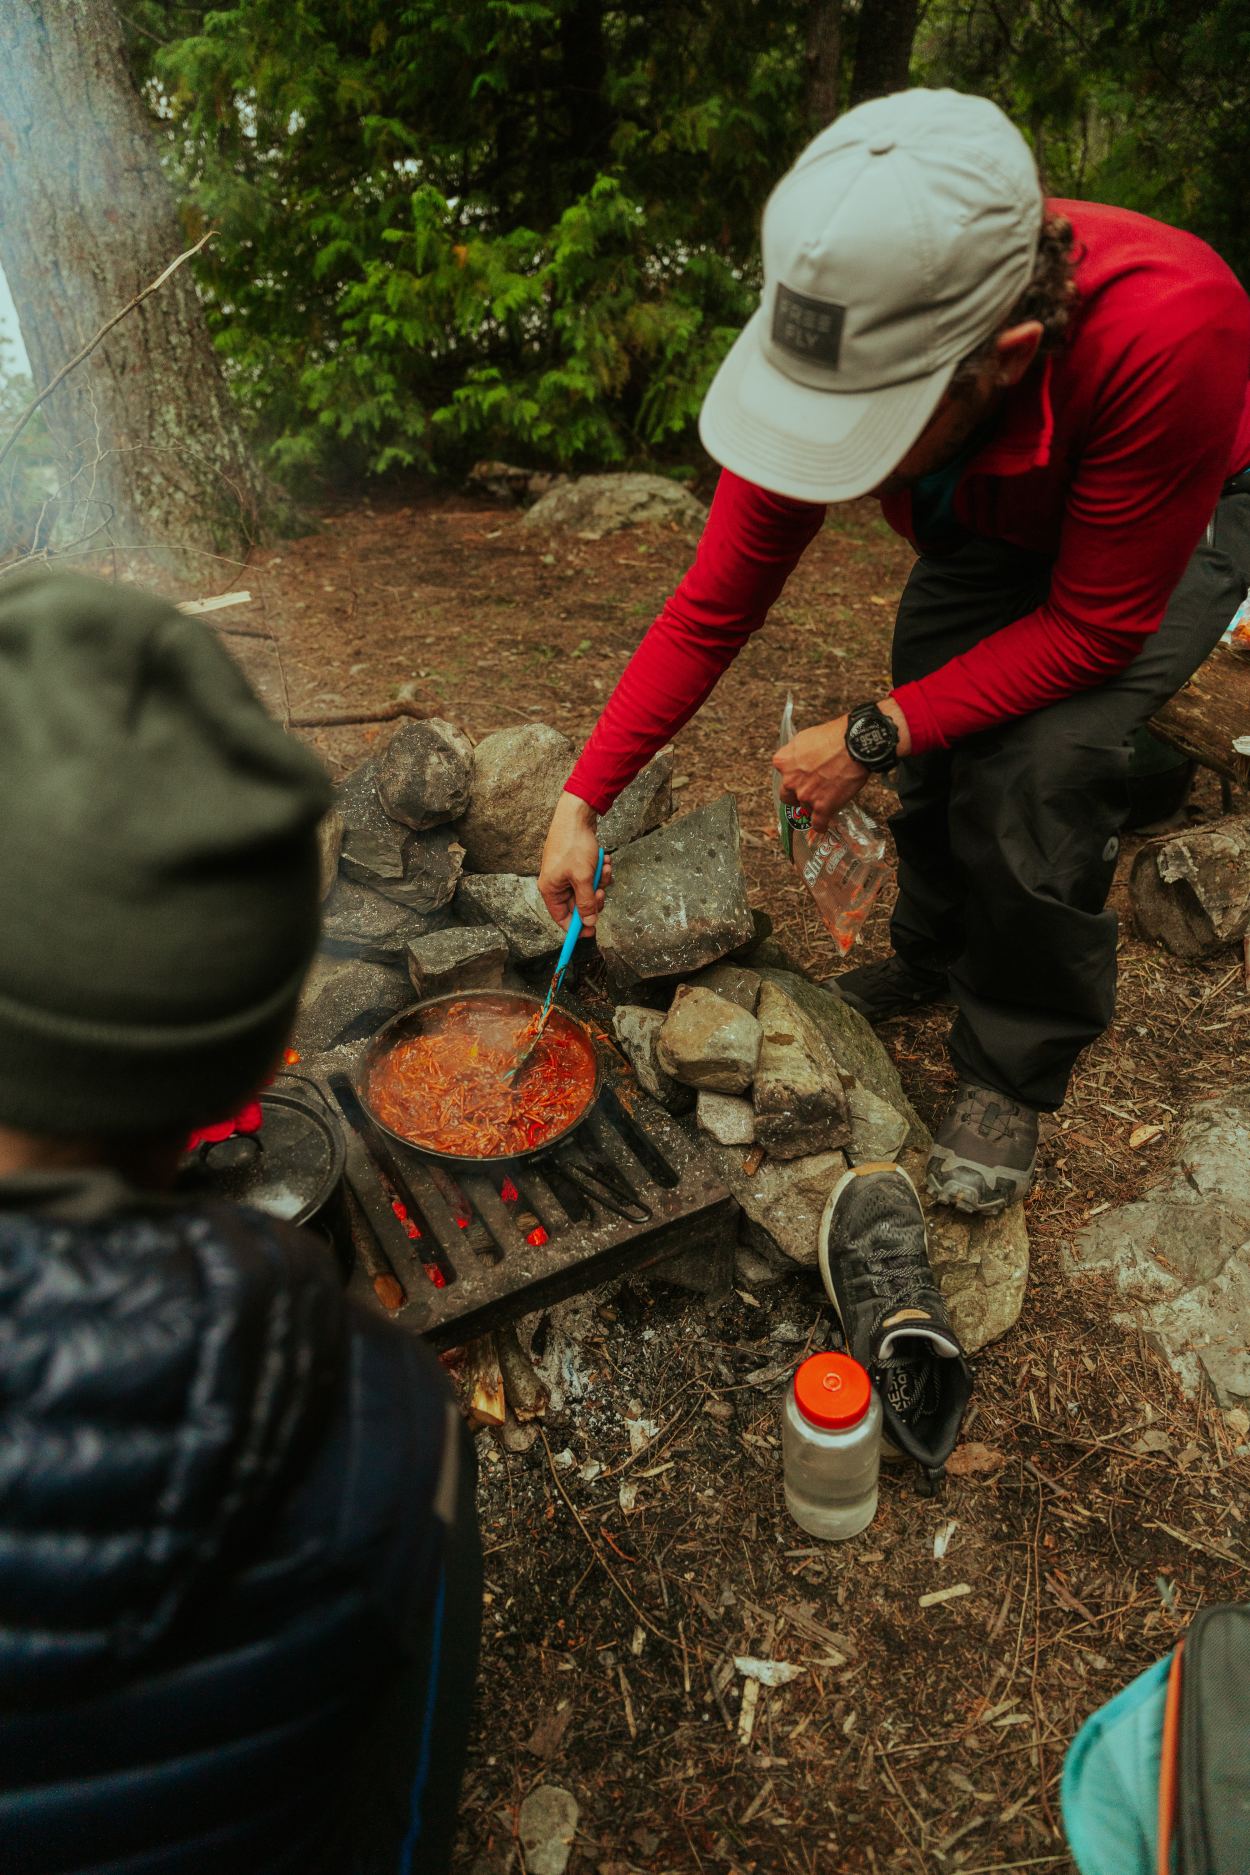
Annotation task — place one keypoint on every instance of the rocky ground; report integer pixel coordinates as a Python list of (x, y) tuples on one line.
[(640, 1563)]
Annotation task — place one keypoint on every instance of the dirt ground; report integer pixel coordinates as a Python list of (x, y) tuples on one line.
[(642, 1544)]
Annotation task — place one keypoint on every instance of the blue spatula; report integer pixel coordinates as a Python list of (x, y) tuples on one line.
[(562, 963)]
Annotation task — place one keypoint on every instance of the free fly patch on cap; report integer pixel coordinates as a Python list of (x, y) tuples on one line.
[(808, 328)]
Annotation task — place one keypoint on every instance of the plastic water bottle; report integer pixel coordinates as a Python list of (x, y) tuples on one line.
[(843, 868), (831, 1446)]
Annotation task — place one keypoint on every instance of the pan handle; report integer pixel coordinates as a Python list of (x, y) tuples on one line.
[(601, 1187)]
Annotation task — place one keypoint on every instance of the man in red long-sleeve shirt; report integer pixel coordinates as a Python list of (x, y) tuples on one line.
[(1051, 401)]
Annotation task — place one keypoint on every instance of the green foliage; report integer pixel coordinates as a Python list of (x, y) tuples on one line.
[(474, 227), (457, 228), (1141, 102)]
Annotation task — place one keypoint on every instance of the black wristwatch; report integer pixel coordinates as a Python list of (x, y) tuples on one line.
[(872, 737)]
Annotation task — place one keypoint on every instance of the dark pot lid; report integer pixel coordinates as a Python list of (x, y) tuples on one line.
[(288, 1169)]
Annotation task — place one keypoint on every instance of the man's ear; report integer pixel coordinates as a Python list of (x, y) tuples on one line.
[(1014, 350)]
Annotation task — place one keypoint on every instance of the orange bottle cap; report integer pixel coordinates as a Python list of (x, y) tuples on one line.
[(832, 1390)]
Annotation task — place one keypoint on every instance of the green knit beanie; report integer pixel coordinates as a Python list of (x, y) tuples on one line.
[(158, 866)]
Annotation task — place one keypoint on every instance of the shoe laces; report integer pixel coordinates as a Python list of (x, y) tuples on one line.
[(991, 1115), (890, 1247)]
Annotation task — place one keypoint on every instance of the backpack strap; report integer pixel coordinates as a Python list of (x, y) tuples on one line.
[(1169, 1763)]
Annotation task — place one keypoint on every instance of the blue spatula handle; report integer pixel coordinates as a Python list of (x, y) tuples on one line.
[(575, 925)]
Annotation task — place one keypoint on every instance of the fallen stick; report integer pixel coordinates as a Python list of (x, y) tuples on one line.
[(194, 607), (345, 719)]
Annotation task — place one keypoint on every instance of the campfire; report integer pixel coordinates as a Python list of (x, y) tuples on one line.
[(693, 1095)]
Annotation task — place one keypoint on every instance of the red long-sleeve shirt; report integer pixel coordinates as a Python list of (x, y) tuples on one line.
[(1108, 456)]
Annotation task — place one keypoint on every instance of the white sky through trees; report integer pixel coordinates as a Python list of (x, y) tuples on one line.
[(12, 352)]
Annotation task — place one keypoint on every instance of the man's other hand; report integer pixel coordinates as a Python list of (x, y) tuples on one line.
[(818, 773), (570, 855)]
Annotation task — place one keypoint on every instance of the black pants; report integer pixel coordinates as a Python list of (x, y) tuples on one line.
[(1007, 842)]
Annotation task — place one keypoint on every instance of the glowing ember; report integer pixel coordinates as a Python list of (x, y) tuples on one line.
[(508, 1192), (537, 1236), (290, 1056), (435, 1275)]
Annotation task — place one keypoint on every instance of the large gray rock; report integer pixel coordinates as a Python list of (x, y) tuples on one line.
[(372, 844), (878, 1130), (1180, 1255), (433, 863), (641, 807), (679, 897), (728, 1121), (595, 505), (734, 982), (359, 923), (345, 997), (426, 773), (518, 776), (800, 1105), (638, 1032), (783, 1201), (547, 1824), (982, 1264), (709, 1042), (513, 905), (851, 1042), (460, 958)]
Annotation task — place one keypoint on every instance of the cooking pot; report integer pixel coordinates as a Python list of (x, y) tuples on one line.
[(291, 1168), (517, 1009)]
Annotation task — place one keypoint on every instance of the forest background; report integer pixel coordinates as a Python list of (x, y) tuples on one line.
[(449, 229)]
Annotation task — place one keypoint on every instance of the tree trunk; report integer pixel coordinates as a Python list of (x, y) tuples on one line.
[(149, 437), (883, 48), (824, 62), (583, 72), (1205, 719), (1191, 891)]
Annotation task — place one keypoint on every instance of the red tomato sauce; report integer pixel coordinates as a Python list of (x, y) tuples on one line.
[(445, 1089)]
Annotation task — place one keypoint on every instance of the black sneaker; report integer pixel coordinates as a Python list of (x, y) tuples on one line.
[(874, 1262), (984, 1152), (890, 988)]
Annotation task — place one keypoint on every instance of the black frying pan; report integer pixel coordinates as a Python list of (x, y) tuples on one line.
[(512, 1005)]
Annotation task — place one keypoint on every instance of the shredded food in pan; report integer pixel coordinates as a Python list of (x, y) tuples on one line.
[(445, 1089)]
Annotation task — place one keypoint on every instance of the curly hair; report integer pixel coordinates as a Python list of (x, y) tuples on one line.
[(1049, 296)]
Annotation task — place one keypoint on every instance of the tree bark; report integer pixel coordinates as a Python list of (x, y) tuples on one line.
[(824, 62), (1205, 718), (1191, 891), (883, 45), (152, 447)]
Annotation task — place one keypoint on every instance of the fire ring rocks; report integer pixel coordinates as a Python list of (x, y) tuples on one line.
[(791, 1084)]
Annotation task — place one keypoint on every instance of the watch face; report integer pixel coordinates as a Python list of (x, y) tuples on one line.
[(870, 739)]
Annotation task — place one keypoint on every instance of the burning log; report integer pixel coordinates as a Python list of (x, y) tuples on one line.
[(1191, 891), (526, 1393), (482, 1381)]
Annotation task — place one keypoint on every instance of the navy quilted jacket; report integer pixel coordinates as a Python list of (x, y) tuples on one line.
[(216, 1534)]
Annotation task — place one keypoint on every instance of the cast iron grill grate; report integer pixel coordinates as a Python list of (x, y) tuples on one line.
[(472, 1249)]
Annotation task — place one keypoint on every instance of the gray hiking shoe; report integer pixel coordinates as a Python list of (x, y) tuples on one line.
[(984, 1152), (889, 988)]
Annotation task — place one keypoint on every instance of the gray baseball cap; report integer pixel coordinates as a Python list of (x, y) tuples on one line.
[(896, 245)]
